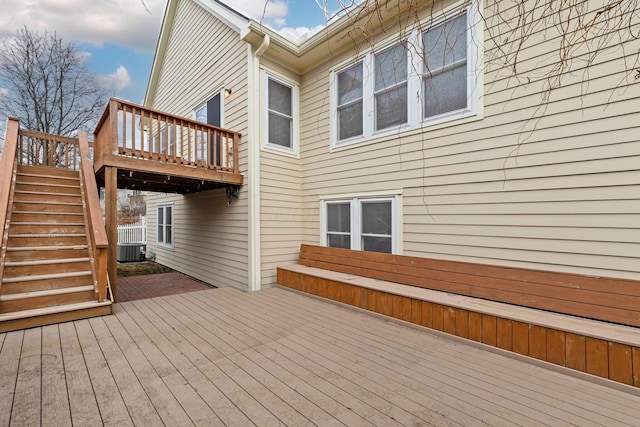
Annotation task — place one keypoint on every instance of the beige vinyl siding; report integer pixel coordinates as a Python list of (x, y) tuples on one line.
[(210, 237), (549, 185), (280, 193)]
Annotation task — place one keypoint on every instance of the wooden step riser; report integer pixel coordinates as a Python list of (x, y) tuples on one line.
[(46, 301), (46, 229), (48, 171), (32, 255), (46, 180), (47, 207), (49, 218), (45, 198), (44, 285), (41, 240), (30, 270), (50, 319), (49, 189)]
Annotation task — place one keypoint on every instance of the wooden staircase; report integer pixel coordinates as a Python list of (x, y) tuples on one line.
[(48, 270)]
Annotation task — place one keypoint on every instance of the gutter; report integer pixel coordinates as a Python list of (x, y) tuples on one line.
[(255, 270)]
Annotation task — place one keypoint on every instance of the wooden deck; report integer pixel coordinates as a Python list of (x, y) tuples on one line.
[(225, 357)]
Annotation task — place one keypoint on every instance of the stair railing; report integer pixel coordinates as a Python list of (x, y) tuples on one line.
[(8, 167), (96, 232)]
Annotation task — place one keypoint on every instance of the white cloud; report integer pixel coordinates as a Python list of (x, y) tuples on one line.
[(272, 13), (300, 33), (123, 22), (117, 80), (4, 91)]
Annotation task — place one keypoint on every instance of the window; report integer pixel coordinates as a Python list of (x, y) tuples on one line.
[(209, 148), (367, 224), (444, 83), (390, 67), (425, 79), (281, 104), (165, 225), (350, 102)]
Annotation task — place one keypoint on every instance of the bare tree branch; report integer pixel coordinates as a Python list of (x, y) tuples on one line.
[(48, 85)]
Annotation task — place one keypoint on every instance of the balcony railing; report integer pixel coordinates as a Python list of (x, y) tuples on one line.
[(137, 132)]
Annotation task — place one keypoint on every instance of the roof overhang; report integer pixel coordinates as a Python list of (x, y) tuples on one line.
[(354, 26)]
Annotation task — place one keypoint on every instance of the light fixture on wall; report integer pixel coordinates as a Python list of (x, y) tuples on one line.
[(227, 93)]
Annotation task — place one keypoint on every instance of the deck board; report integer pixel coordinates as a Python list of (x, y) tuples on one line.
[(521, 381), (28, 391), (138, 404), (397, 385), (55, 404), (225, 357), (9, 363), (112, 408), (82, 400), (211, 361)]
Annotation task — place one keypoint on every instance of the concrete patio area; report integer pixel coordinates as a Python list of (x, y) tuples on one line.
[(229, 358)]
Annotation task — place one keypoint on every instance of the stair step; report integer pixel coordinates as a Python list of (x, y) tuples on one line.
[(47, 171), (48, 213), (64, 190), (47, 176), (45, 262), (45, 235), (41, 285), (45, 197), (50, 315), (47, 228), (47, 217), (46, 240), (33, 178), (47, 206), (45, 248), (45, 184), (45, 293), (29, 268), (49, 310), (46, 193), (46, 276), (27, 223)]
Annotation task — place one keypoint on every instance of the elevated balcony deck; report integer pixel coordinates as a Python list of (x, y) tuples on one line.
[(156, 151)]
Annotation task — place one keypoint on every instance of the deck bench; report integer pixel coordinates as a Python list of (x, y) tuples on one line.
[(584, 323)]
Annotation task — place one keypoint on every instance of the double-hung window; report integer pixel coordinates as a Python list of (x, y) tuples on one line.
[(444, 82), (350, 102), (368, 224), (390, 68), (427, 78), (281, 124), (165, 225)]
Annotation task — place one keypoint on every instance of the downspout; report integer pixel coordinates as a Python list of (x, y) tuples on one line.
[(255, 271)]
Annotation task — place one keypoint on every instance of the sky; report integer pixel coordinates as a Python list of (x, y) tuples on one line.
[(119, 36)]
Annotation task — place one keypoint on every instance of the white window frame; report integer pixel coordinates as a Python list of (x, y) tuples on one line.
[(295, 105), (415, 66), (163, 243), (355, 203)]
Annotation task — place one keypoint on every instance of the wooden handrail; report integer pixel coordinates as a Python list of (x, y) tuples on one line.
[(8, 164), (135, 131), (96, 232)]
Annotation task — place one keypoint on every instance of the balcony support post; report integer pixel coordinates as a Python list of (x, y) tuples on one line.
[(111, 219)]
